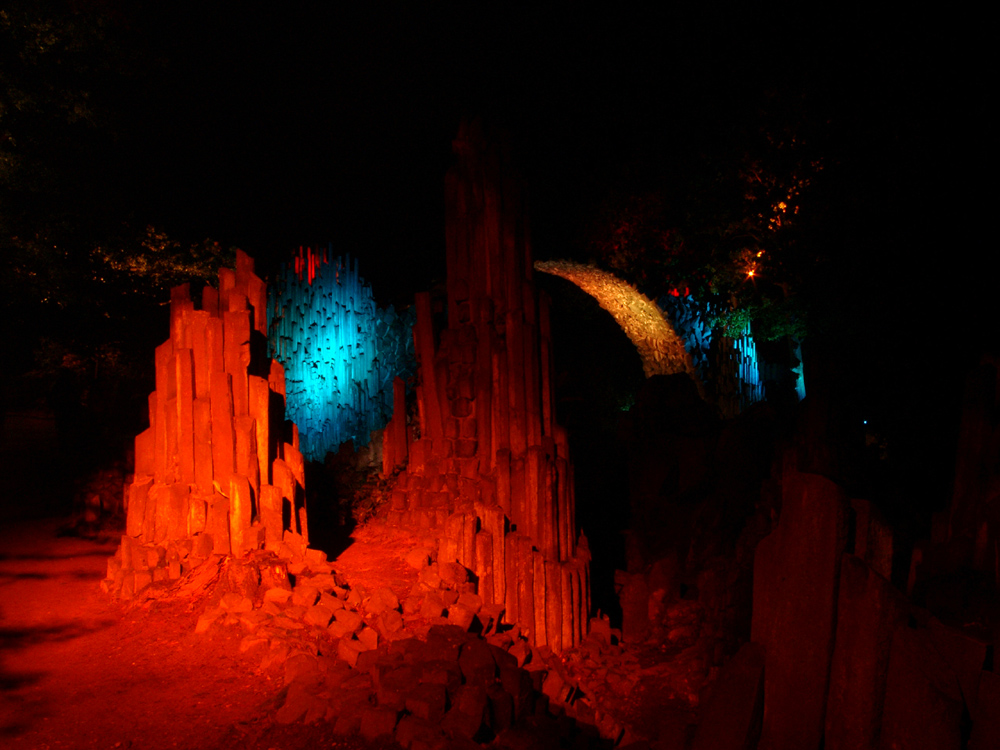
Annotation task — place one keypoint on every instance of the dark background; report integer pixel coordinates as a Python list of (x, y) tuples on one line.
[(269, 128)]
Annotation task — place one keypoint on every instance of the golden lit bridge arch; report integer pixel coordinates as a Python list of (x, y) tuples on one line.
[(660, 348)]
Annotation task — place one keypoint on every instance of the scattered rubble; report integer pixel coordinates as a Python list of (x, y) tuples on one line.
[(426, 666)]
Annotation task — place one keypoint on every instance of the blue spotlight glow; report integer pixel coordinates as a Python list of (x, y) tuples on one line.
[(339, 350)]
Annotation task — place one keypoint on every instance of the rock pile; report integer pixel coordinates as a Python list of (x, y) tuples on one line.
[(427, 668), (218, 471)]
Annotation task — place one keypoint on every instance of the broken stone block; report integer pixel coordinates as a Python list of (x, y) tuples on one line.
[(522, 652), (986, 727), (966, 655), (302, 667), (304, 596), (142, 579), (138, 492), (203, 546), (796, 572), (427, 701), (252, 642), (923, 700), (868, 611), (389, 623), (340, 629), (318, 615), (235, 602), (368, 637), (471, 602), (730, 717), (315, 556), (127, 589), (441, 672), (206, 620), (554, 686), (477, 663), (414, 732), (432, 605), (383, 599), (240, 514), (348, 650), (500, 711), (377, 722), (277, 595), (633, 595), (251, 620), (300, 702), (452, 573), (347, 723), (517, 683), (418, 558), (498, 649), (349, 617), (465, 717), (460, 616), (218, 524), (276, 655), (295, 611), (328, 600), (327, 582)]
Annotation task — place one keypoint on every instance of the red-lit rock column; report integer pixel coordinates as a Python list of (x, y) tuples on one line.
[(211, 475), (491, 469)]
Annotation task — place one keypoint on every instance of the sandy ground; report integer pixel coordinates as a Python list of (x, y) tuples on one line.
[(80, 671)]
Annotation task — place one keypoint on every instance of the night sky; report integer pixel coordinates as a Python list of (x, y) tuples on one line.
[(271, 128)]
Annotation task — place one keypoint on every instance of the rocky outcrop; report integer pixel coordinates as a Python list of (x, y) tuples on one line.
[(487, 467), (218, 471)]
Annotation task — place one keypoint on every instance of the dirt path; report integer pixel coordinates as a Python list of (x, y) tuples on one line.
[(78, 671)]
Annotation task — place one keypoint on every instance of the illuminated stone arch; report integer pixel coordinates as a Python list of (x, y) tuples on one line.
[(660, 348)]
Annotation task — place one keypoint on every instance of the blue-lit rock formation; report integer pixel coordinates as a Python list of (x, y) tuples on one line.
[(340, 351), (692, 319), (734, 370)]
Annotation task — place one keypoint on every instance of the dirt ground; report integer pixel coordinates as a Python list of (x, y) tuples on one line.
[(81, 671)]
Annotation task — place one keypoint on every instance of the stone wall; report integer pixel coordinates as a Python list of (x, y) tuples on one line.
[(219, 470), (849, 662), (487, 467)]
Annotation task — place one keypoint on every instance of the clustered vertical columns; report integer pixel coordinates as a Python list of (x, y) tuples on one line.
[(739, 381), (213, 473), (491, 468), (339, 350)]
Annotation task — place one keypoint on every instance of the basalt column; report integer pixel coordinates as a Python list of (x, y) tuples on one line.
[(219, 470), (490, 469)]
